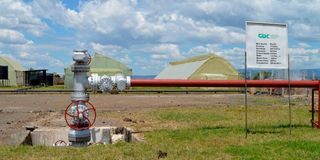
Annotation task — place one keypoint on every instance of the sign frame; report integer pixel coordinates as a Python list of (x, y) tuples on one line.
[(286, 62), (267, 40)]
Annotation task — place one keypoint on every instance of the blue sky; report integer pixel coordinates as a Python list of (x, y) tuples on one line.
[(147, 34)]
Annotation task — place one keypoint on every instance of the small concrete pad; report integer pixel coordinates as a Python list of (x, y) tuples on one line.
[(101, 135), (48, 136), (21, 137)]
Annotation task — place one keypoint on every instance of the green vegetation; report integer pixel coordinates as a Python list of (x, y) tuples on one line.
[(262, 75), (209, 132), (12, 87), (55, 87)]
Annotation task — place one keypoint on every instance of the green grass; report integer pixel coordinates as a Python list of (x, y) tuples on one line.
[(209, 132), (55, 87), (12, 87)]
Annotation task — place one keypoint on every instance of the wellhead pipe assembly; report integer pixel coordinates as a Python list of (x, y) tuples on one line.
[(80, 114)]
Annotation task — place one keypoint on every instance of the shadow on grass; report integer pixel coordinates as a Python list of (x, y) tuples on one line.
[(293, 126), (274, 129), (213, 127), (252, 131)]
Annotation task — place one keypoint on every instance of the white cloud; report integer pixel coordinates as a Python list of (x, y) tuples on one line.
[(302, 51), (208, 48), (112, 51), (12, 37), (303, 45), (43, 60), (123, 22), (304, 58), (35, 60), (17, 15), (207, 7), (56, 11), (29, 55), (17, 24), (123, 29), (165, 51)]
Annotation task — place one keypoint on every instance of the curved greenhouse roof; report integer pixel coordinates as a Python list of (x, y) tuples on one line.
[(208, 66)]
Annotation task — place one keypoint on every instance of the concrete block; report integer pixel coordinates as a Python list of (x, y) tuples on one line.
[(48, 136), (102, 135), (21, 137), (117, 138)]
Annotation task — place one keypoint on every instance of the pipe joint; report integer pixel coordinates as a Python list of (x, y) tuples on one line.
[(107, 83)]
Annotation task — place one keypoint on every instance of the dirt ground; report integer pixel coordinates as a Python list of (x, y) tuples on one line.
[(46, 110)]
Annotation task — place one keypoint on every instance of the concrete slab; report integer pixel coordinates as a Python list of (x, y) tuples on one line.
[(48, 136), (21, 137), (99, 135)]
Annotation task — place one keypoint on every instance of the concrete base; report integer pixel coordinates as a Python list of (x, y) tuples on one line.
[(99, 135)]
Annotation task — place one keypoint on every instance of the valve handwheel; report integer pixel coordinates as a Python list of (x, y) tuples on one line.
[(80, 116)]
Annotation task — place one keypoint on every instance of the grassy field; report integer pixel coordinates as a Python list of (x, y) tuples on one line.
[(210, 132)]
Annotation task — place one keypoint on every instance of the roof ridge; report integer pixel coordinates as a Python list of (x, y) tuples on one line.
[(195, 59)]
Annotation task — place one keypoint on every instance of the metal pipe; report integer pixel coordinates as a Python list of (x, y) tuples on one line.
[(222, 83), (318, 124), (312, 108)]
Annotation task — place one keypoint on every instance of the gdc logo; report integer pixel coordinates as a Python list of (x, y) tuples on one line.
[(268, 36), (264, 36)]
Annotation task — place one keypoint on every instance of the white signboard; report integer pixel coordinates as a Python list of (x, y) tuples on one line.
[(266, 45)]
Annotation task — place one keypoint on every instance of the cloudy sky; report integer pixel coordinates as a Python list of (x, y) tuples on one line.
[(147, 34)]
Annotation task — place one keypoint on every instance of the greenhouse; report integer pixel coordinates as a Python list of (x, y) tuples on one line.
[(205, 67), (11, 72)]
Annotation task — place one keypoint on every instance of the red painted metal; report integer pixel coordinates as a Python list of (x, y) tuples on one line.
[(222, 83), (312, 108), (318, 105)]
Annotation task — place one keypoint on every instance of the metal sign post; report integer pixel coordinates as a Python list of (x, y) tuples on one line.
[(246, 96), (289, 95), (266, 47)]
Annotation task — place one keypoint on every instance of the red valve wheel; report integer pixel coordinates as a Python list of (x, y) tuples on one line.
[(80, 114), (60, 143)]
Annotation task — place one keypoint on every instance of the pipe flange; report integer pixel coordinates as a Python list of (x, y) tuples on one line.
[(80, 68)]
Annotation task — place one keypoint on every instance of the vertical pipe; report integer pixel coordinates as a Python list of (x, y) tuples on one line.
[(312, 108)]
